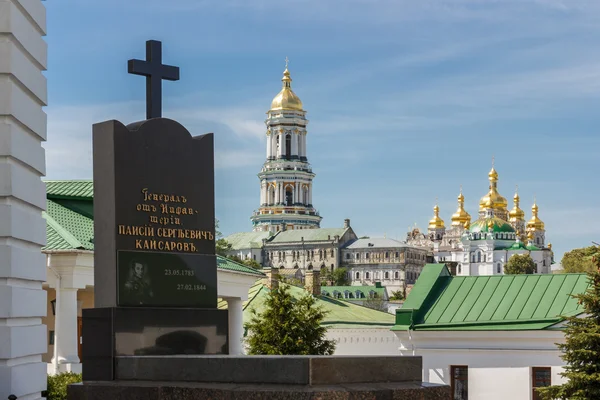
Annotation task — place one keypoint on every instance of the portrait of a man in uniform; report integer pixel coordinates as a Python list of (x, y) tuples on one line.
[(137, 286)]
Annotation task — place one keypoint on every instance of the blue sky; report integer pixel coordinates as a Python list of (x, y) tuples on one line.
[(407, 100)]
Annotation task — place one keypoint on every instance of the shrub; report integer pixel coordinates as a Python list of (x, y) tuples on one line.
[(57, 385)]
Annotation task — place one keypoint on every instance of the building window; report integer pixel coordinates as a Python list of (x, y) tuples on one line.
[(367, 275), (387, 255), (459, 268), (540, 377), (499, 268), (478, 257), (358, 275), (396, 275), (397, 254), (357, 256), (387, 275), (544, 262), (459, 382), (332, 253), (347, 256), (367, 256), (51, 338)]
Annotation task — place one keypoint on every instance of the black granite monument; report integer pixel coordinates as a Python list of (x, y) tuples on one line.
[(155, 272)]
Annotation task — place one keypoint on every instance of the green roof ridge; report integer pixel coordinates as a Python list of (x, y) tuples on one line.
[(64, 234)]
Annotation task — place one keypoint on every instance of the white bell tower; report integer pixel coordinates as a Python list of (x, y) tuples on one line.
[(286, 176)]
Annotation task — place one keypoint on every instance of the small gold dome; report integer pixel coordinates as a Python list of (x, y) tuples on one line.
[(493, 199), (535, 224), (530, 236), (516, 214), (286, 99), (436, 222), (467, 225), (460, 216), (550, 246)]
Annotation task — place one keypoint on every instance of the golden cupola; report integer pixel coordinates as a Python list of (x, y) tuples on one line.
[(460, 217), (535, 224), (516, 214), (286, 99), (436, 222), (493, 199)]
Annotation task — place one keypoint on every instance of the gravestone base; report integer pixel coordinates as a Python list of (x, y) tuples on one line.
[(150, 331), (263, 377)]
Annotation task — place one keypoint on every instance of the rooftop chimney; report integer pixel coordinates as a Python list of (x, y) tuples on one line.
[(346, 223), (272, 278), (312, 282)]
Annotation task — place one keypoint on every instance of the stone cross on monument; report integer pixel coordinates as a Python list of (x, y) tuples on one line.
[(154, 71)]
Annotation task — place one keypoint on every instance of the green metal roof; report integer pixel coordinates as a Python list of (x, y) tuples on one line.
[(481, 225), (309, 235), (70, 189), (340, 313), (365, 291), (517, 246), (247, 240), (67, 229), (439, 301), (230, 265)]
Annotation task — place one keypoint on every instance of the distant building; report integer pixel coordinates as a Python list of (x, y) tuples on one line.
[(489, 337), (484, 246), (393, 263)]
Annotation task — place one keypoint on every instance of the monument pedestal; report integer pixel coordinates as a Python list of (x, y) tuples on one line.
[(263, 377), (113, 332)]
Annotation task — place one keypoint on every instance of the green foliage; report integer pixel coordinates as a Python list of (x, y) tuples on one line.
[(519, 264), (288, 326), (397, 295), (581, 350), (337, 277), (580, 260), (222, 246), (252, 263), (57, 385)]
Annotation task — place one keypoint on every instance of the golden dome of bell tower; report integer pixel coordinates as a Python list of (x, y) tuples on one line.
[(286, 99)]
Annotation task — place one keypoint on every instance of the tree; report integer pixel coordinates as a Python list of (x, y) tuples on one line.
[(288, 326), (397, 295), (581, 350), (252, 263), (337, 277), (520, 264), (580, 260), (221, 245)]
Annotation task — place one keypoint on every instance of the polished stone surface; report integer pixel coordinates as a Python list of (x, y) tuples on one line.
[(194, 391), (294, 370), (122, 331)]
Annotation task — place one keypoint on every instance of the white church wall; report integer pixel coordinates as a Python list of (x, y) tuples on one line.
[(499, 362), (364, 341)]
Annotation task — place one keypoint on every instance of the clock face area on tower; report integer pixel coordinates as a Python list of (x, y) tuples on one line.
[(286, 176)]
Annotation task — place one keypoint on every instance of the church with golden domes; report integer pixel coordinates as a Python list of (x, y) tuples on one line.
[(483, 246), (286, 176)]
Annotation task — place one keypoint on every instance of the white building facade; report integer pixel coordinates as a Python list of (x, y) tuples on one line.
[(23, 94), (286, 190)]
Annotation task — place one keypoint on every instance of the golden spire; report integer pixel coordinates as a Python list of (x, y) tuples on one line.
[(460, 216), (436, 222), (286, 99), (516, 214), (535, 224), (493, 199)]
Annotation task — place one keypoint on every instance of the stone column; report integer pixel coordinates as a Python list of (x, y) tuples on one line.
[(23, 94), (269, 141), (66, 338), (310, 194), (281, 145), (236, 326)]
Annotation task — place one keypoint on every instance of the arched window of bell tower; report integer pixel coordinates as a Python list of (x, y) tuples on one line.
[(289, 197), (288, 146)]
